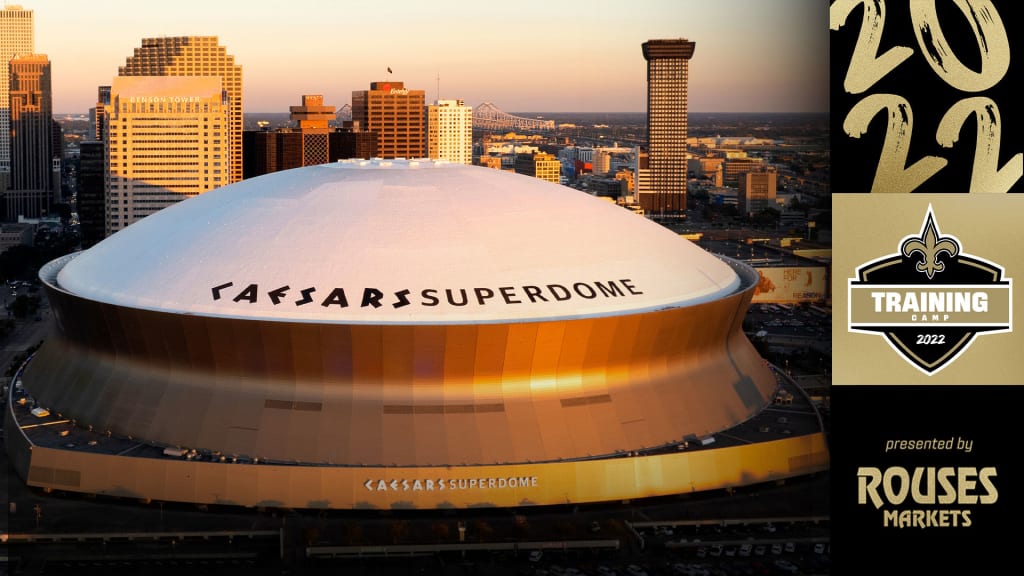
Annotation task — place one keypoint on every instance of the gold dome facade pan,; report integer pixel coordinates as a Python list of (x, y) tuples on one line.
[(404, 334)]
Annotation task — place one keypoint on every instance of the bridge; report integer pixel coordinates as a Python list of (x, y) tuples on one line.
[(344, 113), (488, 116)]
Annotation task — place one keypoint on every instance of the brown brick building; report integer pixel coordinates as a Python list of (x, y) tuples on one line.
[(311, 141), (395, 113)]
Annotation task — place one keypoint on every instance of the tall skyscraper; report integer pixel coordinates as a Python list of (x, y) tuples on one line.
[(450, 131), (166, 140), (33, 187), (16, 38), (91, 204), (195, 56), (395, 113), (667, 79)]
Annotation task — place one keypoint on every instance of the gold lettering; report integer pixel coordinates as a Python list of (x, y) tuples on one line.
[(989, 33), (866, 67), (892, 173), (986, 175)]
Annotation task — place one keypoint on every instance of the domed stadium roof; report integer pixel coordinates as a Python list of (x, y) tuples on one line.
[(397, 242)]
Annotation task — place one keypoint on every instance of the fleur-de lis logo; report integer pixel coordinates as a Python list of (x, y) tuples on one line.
[(930, 244)]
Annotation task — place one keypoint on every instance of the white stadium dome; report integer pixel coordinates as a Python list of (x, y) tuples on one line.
[(399, 334), (405, 242)]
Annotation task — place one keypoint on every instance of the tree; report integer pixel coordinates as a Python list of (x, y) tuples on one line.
[(23, 306), (767, 218), (797, 206), (6, 327)]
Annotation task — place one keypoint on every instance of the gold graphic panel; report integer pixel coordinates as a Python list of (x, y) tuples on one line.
[(872, 227)]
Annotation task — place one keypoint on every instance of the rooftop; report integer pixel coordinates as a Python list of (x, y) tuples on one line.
[(377, 241)]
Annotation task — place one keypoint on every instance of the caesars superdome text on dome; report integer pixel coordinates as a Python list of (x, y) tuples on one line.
[(427, 297)]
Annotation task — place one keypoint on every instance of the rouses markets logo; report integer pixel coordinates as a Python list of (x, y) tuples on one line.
[(930, 299)]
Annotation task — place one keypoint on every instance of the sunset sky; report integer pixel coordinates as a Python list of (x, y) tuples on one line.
[(524, 56)]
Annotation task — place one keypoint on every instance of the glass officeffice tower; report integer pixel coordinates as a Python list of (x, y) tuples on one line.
[(667, 78)]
